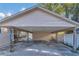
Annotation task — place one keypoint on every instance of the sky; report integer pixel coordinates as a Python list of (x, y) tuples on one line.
[(7, 9)]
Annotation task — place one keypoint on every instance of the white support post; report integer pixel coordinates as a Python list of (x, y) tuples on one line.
[(74, 39), (57, 37), (27, 36), (11, 36)]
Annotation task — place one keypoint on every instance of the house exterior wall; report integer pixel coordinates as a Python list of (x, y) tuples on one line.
[(45, 36), (42, 36), (68, 39), (4, 38)]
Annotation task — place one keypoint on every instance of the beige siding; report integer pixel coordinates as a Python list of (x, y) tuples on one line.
[(42, 36), (47, 36)]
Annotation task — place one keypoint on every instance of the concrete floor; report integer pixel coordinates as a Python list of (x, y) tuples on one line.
[(39, 49)]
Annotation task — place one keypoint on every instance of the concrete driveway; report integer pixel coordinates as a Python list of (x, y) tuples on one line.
[(39, 49)]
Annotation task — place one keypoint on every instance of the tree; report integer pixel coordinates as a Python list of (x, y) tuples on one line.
[(67, 8), (76, 12), (56, 7)]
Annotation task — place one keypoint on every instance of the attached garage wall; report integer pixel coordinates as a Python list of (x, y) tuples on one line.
[(42, 36), (68, 39), (48, 36)]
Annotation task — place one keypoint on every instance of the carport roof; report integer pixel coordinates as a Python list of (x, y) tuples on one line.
[(50, 12)]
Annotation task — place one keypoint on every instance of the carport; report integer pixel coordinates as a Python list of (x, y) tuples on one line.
[(39, 22)]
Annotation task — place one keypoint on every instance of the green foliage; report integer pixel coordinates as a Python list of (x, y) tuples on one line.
[(61, 8)]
